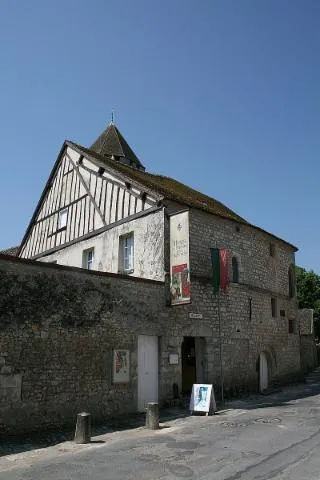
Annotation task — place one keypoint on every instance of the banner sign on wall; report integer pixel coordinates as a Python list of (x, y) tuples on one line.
[(179, 258)]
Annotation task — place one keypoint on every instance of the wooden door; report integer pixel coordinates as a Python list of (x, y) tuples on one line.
[(148, 373), (188, 355)]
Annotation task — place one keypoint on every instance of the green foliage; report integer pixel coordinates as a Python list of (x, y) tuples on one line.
[(308, 294)]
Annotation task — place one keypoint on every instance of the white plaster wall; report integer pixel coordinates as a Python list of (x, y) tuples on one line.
[(148, 248)]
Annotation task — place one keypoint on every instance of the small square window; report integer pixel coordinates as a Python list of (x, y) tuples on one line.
[(126, 258), (88, 259), (274, 312), (62, 218)]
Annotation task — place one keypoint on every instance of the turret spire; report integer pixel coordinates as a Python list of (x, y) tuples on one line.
[(113, 145)]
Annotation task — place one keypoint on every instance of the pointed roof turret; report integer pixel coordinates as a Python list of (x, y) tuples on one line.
[(112, 144)]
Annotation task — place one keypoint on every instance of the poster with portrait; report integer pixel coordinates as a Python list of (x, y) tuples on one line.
[(121, 366), (179, 258), (202, 398)]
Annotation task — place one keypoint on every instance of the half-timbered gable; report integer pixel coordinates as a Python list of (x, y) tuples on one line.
[(83, 197)]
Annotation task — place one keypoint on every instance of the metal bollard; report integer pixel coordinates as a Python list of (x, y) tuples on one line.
[(152, 417), (83, 428)]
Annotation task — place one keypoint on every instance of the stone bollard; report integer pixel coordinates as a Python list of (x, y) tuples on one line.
[(152, 417), (83, 428)]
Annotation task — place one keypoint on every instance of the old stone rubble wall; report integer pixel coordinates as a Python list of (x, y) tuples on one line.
[(58, 327), (309, 358), (261, 277)]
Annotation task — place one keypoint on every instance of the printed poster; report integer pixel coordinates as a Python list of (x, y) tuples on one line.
[(121, 364), (202, 398), (179, 259)]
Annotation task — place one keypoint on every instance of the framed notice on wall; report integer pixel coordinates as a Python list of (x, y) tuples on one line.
[(179, 258), (121, 366)]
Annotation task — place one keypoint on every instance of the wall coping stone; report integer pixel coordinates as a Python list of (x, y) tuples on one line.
[(82, 271)]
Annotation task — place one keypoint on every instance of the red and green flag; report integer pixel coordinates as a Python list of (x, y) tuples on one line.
[(219, 261)]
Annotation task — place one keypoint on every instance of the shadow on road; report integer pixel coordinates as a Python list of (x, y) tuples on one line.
[(277, 398), (13, 444), (45, 438)]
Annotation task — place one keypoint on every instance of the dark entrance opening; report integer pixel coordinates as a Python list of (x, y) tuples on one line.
[(188, 355)]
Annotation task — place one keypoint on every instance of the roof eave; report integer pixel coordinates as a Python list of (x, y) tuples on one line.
[(47, 185)]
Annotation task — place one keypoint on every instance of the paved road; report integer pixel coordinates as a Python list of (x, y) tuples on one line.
[(261, 438)]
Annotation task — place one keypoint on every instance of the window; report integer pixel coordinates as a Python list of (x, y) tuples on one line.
[(272, 250), (292, 281), (62, 218), (292, 325), (88, 258), (235, 270), (274, 312), (126, 253)]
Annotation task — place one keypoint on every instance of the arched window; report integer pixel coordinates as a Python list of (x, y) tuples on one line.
[(235, 270), (292, 281)]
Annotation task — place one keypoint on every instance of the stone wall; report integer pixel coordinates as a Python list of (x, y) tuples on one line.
[(305, 318), (148, 231), (58, 327), (248, 327), (309, 357), (250, 246)]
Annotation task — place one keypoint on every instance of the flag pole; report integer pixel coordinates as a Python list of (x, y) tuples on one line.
[(220, 342)]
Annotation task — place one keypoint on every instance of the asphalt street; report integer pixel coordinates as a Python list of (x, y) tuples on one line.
[(257, 438)]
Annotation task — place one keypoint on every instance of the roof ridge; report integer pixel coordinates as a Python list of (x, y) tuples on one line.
[(168, 187)]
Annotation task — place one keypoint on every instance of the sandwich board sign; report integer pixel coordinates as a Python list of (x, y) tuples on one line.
[(202, 398)]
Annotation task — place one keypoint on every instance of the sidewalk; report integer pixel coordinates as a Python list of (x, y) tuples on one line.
[(50, 437)]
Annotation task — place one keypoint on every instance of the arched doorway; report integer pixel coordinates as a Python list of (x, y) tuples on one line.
[(263, 372)]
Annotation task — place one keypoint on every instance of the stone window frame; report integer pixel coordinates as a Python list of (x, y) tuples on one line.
[(88, 259), (272, 250), (274, 307), (124, 248), (237, 257)]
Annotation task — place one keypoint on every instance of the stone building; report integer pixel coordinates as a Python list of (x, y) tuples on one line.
[(100, 210)]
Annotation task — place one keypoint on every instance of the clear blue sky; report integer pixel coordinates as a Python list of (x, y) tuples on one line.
[(221, 95)]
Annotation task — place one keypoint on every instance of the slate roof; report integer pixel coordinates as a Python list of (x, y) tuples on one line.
[(111, 142)]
